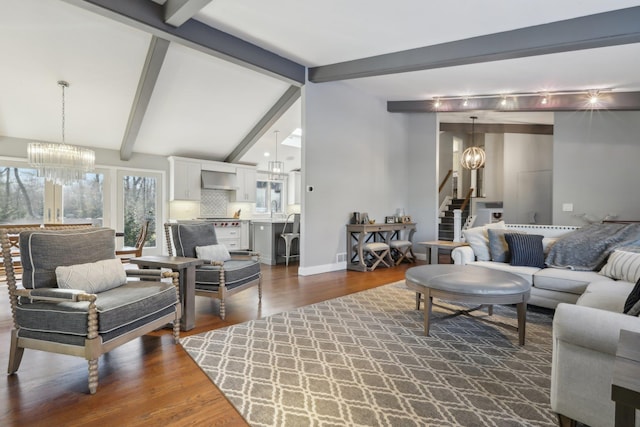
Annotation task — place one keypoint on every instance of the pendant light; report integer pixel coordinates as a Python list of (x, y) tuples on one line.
[(473, 157), (276, 168), (60, 163)]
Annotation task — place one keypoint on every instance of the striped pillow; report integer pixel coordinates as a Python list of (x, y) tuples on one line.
[(525, 249), (622, 265)]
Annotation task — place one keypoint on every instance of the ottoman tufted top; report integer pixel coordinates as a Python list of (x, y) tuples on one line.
[(467, 279)]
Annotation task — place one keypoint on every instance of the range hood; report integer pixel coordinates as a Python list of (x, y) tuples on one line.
[(212, 180)]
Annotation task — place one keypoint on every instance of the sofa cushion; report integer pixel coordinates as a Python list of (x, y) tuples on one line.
[(187, 236), (119, 310), (41, 251), (565, 280), (526, 273), (217, 252), (92, 277), (607, 295), (498, 248), (632, 304), (525, 249), (237, 273), (478, 239), (622, 265)]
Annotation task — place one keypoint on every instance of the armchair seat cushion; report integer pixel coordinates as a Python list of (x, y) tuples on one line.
[(237, 273), (120, 310)]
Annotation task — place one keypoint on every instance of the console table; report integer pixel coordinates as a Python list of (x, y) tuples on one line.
[(358, 234), (187, 269)]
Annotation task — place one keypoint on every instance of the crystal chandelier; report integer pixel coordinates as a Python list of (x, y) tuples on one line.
[(276, 168), (473, 157), (60, 163)]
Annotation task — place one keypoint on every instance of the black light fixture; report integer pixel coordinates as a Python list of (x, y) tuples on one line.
[(473, 157)]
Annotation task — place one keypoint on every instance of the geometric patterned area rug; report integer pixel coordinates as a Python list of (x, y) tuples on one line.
[(362, 360)]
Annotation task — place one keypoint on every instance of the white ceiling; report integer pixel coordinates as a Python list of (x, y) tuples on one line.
[(204, 107)]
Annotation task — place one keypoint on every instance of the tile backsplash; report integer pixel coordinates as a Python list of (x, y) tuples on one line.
[(214, 203)]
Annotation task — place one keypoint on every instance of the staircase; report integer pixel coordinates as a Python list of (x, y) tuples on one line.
[(445, 227)]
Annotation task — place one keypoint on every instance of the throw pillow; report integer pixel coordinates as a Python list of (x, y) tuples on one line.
[(478, 239), (632, 304), (213, 253), (498, 247), (92, 277), (622, 265), (525, 249)]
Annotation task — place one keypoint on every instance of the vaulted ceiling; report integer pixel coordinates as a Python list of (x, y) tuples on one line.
[(157, 77)]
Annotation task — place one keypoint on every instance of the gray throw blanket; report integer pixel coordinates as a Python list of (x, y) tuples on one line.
[(588, 248)]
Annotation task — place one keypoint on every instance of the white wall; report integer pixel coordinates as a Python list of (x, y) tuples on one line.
[(354, 154), (422, 164), (492, 189), (528, 159), (596, 165)]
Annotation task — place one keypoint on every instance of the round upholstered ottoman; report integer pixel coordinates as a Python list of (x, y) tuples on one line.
[(466, 283)]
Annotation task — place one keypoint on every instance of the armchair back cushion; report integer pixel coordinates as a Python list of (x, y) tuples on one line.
[(41, 251), (187, 236)]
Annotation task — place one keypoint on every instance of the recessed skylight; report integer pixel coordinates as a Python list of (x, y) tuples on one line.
[(295, 139)]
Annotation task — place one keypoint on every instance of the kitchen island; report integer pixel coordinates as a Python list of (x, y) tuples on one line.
[(267, 241)]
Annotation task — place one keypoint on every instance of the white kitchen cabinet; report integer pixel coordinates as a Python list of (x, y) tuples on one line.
[(295, 188), (246, 178), (184, 179)]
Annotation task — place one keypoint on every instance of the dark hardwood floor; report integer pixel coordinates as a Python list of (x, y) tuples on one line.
[(151, 381)]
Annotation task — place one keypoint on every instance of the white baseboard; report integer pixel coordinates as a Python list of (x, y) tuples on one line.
[(319, 269)]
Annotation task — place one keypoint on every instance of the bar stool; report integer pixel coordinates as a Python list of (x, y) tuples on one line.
[(375, 253), (290, 237)]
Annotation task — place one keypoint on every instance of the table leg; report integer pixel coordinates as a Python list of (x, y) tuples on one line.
[(433, 250), (428, 302), (418, 297), (522, 321), (188, 294)]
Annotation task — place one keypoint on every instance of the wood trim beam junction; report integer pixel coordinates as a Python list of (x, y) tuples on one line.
[(148, 78), (610, 101), (536, 129), (149, 17), (279, 108), (611, 28), (177, 12)]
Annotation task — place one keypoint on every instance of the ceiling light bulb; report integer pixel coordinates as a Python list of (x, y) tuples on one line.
[(545, 99), (504, 101), (436, 103), (266, 154), (593, 99), (466, 102)]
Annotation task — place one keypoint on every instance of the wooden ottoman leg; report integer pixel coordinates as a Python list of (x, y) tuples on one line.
[(428, 302), (522, 321)]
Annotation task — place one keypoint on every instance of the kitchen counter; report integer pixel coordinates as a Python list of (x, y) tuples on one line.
[(267, 241)]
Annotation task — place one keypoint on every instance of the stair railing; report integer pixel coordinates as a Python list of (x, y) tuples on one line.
[(444, 181), (466, 199), (457, 217)]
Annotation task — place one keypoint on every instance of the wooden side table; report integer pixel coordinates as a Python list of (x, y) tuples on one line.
[(187, 269), (434, 246), (625, 386)]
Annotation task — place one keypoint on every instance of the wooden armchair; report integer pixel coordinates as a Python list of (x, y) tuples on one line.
[(76, 297), (126, 253), (218, 278)]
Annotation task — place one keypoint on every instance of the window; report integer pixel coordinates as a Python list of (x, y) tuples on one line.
[(139, 195), (83, 200), (269, 196), (26, 198)]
